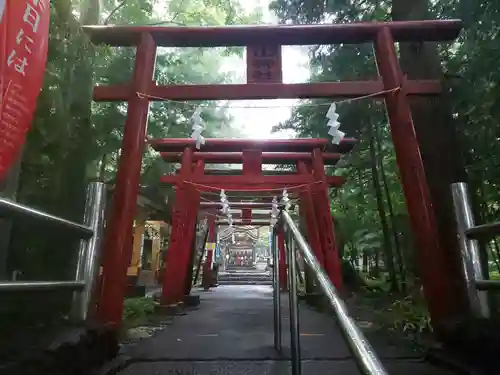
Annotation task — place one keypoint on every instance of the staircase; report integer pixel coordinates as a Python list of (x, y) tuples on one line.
[(245, 275)]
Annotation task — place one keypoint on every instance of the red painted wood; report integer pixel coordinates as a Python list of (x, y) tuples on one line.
[(319, 90), (244, 183), (246, 216), (212, 229), (114, 279), (442, 292), (252, 162), (264, 64), (252, 170), (325, 223), (240, 222), (238, 145), (250, 216), (240, 172), (242, 179), (237, 157), (194, 206), (193, 201), (174, 276), (336, 33), (251, 205), (306, 209)]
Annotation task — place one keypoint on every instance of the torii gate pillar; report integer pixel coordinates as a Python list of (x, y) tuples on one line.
[(187, 201), (117, 248), (444, 296)]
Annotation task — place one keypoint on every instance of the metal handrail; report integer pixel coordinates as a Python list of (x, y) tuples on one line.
[(89, 256), (87, 268), (488, 285), (484, 231), (463, 207), (363, 353), (276, 292), (468, 235), (32, 286), (13, 210), (293, 303)]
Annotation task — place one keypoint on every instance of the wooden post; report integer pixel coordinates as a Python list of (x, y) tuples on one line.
[(116, 243), (442, 295), (307, 212), (325, 223), (175, 268), (306, 207)]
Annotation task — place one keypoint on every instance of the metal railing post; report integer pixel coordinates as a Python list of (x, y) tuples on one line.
[(199, 261), (89, 256), (469, 250), (365, 356), (293, 305), (276, 292)]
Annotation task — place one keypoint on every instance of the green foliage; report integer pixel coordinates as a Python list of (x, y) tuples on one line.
[(75, 140), (409, 316), (473, 80), (472, 77), (138, 309)]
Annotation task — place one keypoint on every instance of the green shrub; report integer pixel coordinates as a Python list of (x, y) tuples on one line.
[(410, 316), (137, 309)]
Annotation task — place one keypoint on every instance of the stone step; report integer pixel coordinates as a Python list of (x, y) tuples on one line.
[(241, 268), (245, 277), (245, 282)]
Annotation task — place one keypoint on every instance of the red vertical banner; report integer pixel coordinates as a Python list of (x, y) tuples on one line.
[(24, 35), (246, 216)]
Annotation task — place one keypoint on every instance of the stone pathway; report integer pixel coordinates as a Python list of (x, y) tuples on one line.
[(232, 333)]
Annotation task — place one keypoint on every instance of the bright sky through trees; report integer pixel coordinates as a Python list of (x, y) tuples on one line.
[(257, 122)]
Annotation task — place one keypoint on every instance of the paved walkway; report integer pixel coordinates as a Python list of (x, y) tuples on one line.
[(232, 333)]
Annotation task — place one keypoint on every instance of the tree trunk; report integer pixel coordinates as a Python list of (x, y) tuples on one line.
[(8, 188), (389, 260), (394, 231), (365, 262), (68, 197)]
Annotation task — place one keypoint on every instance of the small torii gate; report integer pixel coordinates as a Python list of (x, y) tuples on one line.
[(443, 288), (309, 182)]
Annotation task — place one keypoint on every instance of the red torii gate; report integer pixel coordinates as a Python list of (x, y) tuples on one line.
[(442, 287), (308, 181)]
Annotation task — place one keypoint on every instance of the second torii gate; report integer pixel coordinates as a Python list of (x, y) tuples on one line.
[(308, 181)]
